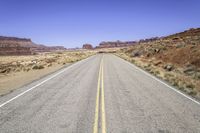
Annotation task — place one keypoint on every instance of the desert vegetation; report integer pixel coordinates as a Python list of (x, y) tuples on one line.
[(16, 71), (175, 59)]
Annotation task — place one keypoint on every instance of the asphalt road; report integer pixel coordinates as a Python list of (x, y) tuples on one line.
[(100, 94)]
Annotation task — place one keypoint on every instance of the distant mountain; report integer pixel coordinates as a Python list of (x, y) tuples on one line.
[(23, 46), (110, 44), (87, 46)]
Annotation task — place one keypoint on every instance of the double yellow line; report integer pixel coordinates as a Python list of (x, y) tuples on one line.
[(100, 90)]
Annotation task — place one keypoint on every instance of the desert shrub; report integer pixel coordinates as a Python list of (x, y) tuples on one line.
[(37, 67), (157, 72), (5, 70), (51, 60), (190, 86), (17, 70), (133, 61), (181, 84), (49, 65), (169, 75), (147, 68), (59, 53), (181, 88), (193, 93), (174, 82), (26, 69), (196, 76)]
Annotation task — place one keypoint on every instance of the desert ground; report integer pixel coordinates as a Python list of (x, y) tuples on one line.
[(175, 59), (17, 71)]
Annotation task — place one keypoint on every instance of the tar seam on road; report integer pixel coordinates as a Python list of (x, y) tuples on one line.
[(100, 87), (174, 89), (65, 69)]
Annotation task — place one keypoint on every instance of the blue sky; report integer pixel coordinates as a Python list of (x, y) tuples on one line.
[(74, 22)]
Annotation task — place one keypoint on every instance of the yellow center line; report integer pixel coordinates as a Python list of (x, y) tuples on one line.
[(95, 128), (103, 103), (100, 87)]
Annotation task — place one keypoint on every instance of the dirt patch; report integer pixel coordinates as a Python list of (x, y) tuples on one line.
[(15, 80), (180, 56)]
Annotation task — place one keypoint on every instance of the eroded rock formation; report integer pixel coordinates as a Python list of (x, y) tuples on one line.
[(23, 46)]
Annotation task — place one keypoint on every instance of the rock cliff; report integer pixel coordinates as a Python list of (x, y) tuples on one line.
[(23, 46)]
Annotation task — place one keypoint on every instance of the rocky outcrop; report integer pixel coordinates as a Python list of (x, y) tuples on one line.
[(15, 46), (115, 44), (87, 46), (180, 48), (149, 39), (42, 48), (15, 42), (174, 58), (23, 46), (58, 48), (15, 51)]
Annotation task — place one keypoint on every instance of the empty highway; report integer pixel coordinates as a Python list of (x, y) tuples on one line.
[(100, 94)]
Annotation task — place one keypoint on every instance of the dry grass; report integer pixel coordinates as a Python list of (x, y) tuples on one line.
[(176, 77), (20, 70), (175, 59)]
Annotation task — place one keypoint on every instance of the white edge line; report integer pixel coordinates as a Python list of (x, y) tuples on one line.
[(155, 78), (40, 83)]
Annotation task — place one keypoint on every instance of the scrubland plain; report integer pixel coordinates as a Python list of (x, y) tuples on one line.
[(16, 71)]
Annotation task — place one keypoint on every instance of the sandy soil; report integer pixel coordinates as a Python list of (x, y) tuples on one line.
[(16, 71), (10, 82)]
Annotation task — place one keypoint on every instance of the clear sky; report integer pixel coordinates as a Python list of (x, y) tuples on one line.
[(74, 22)]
